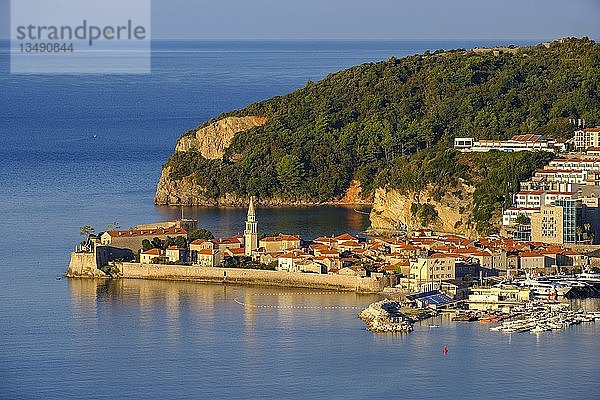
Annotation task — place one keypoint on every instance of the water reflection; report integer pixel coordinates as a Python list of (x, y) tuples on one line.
[(150, 298), (309, 222)]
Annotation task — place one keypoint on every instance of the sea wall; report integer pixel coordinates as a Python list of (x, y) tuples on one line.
[(84, 265), (252, 277)]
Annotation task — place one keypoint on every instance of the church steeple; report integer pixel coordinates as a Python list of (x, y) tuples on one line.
[(251, 232), (251, 212)]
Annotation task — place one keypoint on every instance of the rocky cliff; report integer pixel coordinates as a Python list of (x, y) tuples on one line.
[(395, 211), (185, 191), (212, 140)]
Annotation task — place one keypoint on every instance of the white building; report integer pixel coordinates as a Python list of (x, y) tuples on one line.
[(510, 215), (527, 142), (538, 198), (463, 143), (586, 138), (581, 164), (561, 175)]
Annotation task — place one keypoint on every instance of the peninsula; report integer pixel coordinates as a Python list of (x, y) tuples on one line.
[(382, 133)]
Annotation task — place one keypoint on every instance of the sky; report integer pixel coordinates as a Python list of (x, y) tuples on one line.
[(366, 19)]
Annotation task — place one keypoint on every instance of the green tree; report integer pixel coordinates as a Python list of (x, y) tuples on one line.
[(157, 243), (290, 172), (201, 234), (522, 219), (389, 123), (180, 241), (146, 245)]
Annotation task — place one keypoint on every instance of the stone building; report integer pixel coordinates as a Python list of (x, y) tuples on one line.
[(132, 239), (280, 243), (152, 255)]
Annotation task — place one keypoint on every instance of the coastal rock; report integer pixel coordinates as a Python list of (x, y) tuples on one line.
[(355, 195), (385, 317), (212, 140), (394, 211), (184, 191)]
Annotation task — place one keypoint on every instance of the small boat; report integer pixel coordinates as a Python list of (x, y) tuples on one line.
[(361, 212), (465, 317), (433, 326)]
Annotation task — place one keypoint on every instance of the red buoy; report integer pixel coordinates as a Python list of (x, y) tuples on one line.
[(445, 350)]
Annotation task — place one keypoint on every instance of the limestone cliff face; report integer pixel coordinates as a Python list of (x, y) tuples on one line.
[(394, 211), (185, 192), (212, 140)]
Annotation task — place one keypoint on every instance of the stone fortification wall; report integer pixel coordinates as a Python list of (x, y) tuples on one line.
[(84, 265), (250, 276)]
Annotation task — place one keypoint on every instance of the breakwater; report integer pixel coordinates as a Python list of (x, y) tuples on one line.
[(385, 316)]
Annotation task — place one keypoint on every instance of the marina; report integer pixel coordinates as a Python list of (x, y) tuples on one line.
[(538, 318)]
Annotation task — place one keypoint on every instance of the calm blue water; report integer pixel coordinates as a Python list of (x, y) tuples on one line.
[(140, 339)]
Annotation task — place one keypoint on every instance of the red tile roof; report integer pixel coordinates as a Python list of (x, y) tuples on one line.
[(237, 250), (345, 237), (527, 254), (533, 192), (154, 252), (209, 252), (527, 138)]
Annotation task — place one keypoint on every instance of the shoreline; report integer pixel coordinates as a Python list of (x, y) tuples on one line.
[(290, 204)]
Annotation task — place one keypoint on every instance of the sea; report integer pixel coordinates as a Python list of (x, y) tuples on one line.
[(87, 150)]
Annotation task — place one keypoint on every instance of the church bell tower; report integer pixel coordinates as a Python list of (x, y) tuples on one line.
[(251, 232)]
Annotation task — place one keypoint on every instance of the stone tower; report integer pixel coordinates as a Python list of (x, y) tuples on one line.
[(251, 232)]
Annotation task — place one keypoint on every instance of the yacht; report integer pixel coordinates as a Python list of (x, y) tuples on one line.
[(545, 287)]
